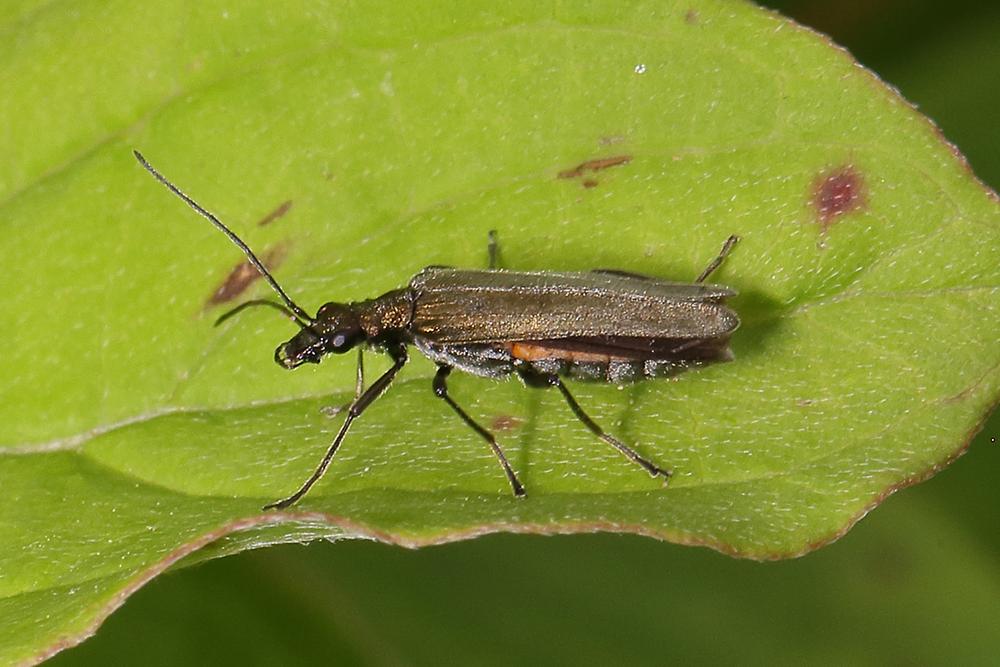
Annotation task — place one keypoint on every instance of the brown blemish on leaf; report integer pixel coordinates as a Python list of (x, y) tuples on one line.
[(691, 17), (595, 165), (505, 422), (243, 275), (277, 213), (882, 89), (836, 193), (589, 183)]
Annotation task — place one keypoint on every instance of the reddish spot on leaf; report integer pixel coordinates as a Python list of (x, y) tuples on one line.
[(243, 275), (595, 165), (279, 212), (505, 423), (836, 193), (589, 183)]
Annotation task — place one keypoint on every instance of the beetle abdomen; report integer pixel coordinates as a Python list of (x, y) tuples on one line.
[(617, 360)]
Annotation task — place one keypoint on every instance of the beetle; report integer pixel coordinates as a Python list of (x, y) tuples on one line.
[(605, 325)]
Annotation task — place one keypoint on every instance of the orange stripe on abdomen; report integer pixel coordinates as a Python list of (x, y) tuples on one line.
[(535, 352)]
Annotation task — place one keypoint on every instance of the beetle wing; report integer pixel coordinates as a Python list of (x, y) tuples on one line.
[(459, 306)]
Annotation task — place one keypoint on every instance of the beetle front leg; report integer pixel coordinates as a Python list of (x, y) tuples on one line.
[(357, 407)]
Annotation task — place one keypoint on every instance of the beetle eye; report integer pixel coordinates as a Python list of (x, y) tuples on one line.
[(339, 340)]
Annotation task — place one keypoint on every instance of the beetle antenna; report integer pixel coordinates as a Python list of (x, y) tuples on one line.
[(301, 316), (261, 302)]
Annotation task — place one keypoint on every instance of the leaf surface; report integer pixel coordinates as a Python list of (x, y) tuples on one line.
[(371, 142)]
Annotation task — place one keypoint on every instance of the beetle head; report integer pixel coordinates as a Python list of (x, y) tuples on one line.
[(335, 329)]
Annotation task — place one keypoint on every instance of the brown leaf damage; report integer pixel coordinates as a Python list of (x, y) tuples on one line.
[(593, 166), (243, 275), (505, 423), (277, 213)]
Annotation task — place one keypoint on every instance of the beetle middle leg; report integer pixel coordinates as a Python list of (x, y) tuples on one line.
[(359, 387), (441, 391), (632, 455)]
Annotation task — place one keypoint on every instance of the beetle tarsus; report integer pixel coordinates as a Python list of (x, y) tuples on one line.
[(282, 504)]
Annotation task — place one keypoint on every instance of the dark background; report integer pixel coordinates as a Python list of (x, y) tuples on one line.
[(917, 582)]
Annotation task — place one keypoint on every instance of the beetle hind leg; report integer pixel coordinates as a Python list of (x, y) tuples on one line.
[(717, 262), (629, 453)]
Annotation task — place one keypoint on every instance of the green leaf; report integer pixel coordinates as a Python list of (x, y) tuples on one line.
[(587, 599), (135, 433)]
